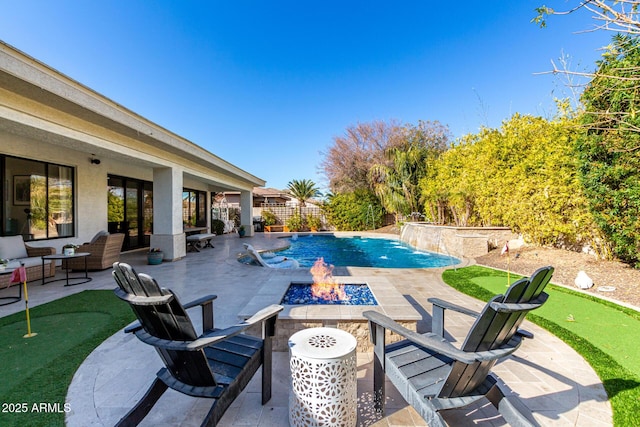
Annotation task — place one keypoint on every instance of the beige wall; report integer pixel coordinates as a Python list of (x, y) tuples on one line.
[(47, 116)]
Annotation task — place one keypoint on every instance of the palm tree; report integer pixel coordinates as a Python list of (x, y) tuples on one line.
[(303, 190), (397, 183)]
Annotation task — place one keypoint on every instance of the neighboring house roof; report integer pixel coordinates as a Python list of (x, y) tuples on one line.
[(270, 192)]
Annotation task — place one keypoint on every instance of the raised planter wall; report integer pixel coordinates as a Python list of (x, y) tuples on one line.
[(460, 242)]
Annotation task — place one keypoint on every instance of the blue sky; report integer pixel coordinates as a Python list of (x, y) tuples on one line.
[(266, 85)]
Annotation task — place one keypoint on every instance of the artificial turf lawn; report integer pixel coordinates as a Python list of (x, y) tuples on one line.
[(612, 331), (605, 334), (36, 372)]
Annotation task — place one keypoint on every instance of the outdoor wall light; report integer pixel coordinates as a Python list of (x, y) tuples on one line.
[(95, 161)]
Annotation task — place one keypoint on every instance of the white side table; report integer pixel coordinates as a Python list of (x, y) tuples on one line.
[(323, 378)]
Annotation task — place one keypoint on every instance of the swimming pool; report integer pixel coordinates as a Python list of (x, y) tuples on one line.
[(360, 251)]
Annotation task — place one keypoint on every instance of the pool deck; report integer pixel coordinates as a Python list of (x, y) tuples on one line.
[(550, 378)]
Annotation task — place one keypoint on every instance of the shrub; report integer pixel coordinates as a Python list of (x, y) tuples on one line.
[(294, 223), (217, 226), (313, 222), (356, 211), (269, 217)]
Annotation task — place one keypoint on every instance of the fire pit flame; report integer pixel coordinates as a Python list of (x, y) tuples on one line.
[(324, 285)]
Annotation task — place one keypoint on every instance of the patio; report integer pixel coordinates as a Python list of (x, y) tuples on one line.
[(550, 378)]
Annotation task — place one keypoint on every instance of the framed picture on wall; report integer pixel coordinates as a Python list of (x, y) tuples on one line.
[(21, 189)]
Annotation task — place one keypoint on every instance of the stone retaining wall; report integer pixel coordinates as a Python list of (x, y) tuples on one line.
[(460, 242)]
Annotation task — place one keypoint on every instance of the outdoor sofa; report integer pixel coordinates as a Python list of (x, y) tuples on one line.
[(15, 249)]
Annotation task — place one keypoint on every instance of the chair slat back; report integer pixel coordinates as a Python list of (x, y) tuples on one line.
[(494, 329), (168, 321)]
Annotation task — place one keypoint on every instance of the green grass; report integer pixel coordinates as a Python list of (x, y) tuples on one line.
[(38, 370), (604, 333)]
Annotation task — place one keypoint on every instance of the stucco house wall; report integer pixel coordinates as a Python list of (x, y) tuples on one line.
[(49, 117)]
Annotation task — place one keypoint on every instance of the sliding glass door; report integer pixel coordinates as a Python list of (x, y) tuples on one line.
[(130, 207)]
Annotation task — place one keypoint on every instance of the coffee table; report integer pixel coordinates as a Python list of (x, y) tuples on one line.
[(64, 259)]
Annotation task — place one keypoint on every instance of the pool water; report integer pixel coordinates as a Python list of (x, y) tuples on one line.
[(361, 251)]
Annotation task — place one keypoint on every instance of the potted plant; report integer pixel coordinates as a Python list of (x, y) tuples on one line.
[(314, 222), (241, 231), (269, 217), (155, 256), (294, 223), (217, 226), (69, 249)]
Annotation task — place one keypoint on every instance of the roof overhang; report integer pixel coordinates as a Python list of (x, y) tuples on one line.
[(40, 102)]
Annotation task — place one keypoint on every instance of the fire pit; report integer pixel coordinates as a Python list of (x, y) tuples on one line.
[(336, 308), (341, 294), (325, 289)]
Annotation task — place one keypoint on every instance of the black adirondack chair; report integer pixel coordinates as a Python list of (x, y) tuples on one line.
[(217, 364), (433, 375)]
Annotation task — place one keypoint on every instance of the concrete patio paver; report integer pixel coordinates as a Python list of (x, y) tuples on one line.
[(551, 379)]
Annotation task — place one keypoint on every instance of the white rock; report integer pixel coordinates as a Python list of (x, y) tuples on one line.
[(583, 281), (515, 244)]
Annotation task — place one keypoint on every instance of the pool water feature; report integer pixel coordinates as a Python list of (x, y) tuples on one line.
[(355, 294), (360, 251)]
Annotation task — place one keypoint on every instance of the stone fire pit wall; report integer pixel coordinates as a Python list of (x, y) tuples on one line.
[(358, 328), (348, 318)]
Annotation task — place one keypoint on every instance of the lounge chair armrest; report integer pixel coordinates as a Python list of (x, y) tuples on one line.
[(33, 251), (206, 302), (132, 327), (524, 334), (439, 306), (450, 306), (440, 345), (511, 307), (267, 316), (213, 336), (194, 345), (140, 300), (499, 353), (199, 343), (264, 314), (200, 301), (431, 341)]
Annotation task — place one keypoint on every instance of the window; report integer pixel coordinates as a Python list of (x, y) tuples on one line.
[(194, 205), (38, 199)]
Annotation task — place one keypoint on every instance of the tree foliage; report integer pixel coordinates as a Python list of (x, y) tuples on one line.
[(609, 147), (303, 190), (396, 181), (115, 208), (358, 210), (347, 162), (523, 175), (619, 16), (388, 159)]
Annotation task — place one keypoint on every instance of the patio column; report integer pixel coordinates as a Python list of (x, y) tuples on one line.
[(168, 233), (246, 211), (209, 203)]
